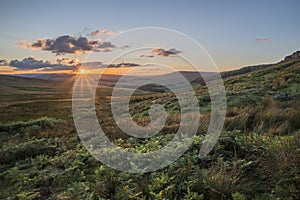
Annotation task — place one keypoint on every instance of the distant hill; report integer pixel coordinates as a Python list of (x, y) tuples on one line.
[(13, 82), (194, 77), (244, 70), (53, 77), (18, 82), (16, 88)]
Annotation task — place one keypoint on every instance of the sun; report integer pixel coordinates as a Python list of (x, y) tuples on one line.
[(83, 71)]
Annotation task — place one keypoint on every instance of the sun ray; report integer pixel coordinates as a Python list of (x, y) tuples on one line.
[(88, 84)]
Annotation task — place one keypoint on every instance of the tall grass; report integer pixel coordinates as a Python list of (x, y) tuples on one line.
[(282, 165), (269, 118), (222, 181)]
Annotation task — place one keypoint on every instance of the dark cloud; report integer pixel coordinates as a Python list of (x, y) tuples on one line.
[(119, 65), (3, 63), (38, 44), (105, 46), (63, 44), (148, 56), (29, 63), (70, 45), (166, 53), (32, 63), (68, 61), (69, 64)]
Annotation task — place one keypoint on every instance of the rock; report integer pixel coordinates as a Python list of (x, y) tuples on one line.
[(293, 56)]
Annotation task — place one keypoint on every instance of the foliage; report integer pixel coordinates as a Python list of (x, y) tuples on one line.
[(256, 157)]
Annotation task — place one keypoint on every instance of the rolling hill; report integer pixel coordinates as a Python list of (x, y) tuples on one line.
[(256, 157)]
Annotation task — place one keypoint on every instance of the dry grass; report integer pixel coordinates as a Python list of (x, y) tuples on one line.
[(269, 118), (222, 181), (282, 81)]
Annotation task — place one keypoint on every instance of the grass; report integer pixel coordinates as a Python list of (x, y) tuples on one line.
[(271, 118), (60, 168), (256, 157), (37, 124)]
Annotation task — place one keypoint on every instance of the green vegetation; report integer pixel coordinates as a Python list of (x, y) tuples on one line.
[(256, 157)]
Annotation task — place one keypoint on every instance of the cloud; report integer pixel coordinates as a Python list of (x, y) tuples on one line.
[(166, 53), (31, 63), (105, 46), (4, 66), (25, 44), (61, 64), (70, 45), (93, 65), (59, 67), (124, 47), (123, 64), (102, 32), (263, 40), (68, 61), (63, 44), (3, 63), (97, 65), (148, 56)]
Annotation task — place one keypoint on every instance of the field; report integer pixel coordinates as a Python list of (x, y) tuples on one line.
[(256, 157)]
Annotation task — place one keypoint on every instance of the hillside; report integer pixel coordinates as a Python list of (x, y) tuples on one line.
[(21, 89), (248, 69), (278, 78), (256, 157)]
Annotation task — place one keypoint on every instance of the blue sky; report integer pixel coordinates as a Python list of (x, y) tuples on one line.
[(235, 33)]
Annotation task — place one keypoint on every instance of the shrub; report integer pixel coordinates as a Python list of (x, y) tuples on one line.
[(35, 124), (238, 196), (29, 149)]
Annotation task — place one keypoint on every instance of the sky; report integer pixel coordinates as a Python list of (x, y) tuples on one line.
[(69, 36)]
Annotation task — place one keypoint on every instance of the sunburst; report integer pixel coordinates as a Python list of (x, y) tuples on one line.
[(83, 71)]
